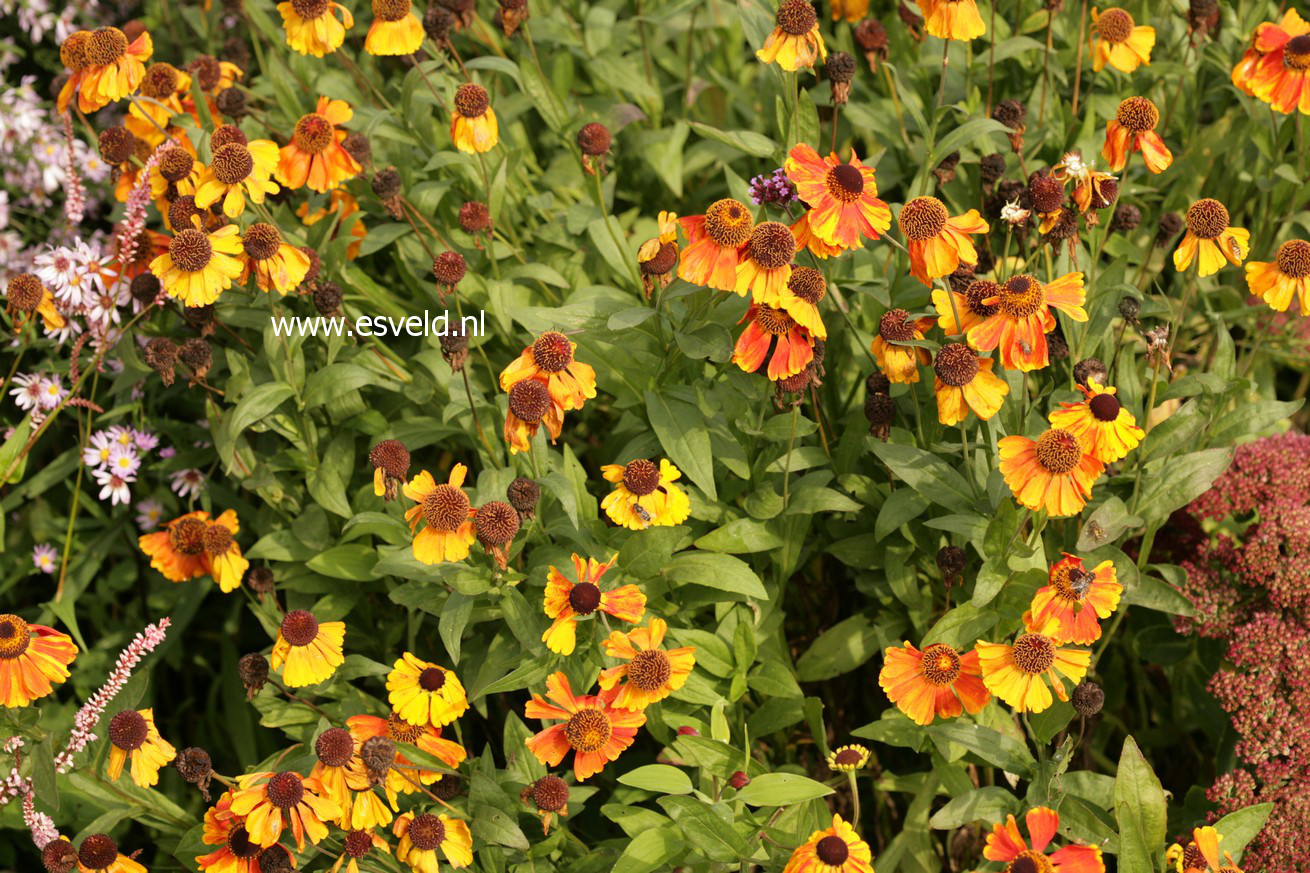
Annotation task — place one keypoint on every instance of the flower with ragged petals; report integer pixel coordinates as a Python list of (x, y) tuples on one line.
[(1210, 240), (952, 19), (1119, 41), (1021, 318), (307, 650), (344, 779), (395, 30), (1105, 427), (1286, 276), (935, 682), (795, 41), (424, 838), (899, 361), (765, 263), (314, 156), (275, 263), (99, 854), (357, 844), (644, 494), (268, 803), (567, 601), (1006, 845), (774, 335), (963, 381), (715, 243), (447, 517), (843, 197), (424, 693), (652, 672), (1201, 854), (1018, 672), (1052, 473), (552, 359), (236, 171), (33, 659), (800, 299), (837, 849), (192, 546), (133, 736), (938, 242), (315, 27), (199, 266), (1282, 76), (593, 729), (1075, 599), (104, 66), (403, 777), (237, 852), (473, 125), (1133, 129)]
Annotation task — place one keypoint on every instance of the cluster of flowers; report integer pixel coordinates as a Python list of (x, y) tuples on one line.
[(114, 456)]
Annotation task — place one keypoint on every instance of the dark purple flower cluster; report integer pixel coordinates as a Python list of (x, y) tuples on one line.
[(773, 188)]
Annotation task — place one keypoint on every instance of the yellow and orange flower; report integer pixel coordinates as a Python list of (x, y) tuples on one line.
[(192, 546), (659, 255), (1210, 240), (425, 838), (344, 779), (402, 777), (1014, 672), (237, 852), (938, 243), (644, 495), (800, 299), (1119, 41), (1006, 845), (551, 360), (315, 27), (1282, 77), (530, 406), (715, 243), (1074, 600), (132, 734), (964, 381), (937, 682), (795, 41), (1051, 473), (593, 729), (199, 266), (1245, 68), (775, 335), (807, 239), (843, 198), (277, 264), (653, 673), (850, 10), (357, 844), (104, 67), (1201, 854), (1088, 186), (837, 849), (309, 649), (26, 297), (423, 693), (396, 30), (952, 19), (268, 803), (1286, 275), (99, 854), (33, 658), (473, 125), (969, 306), (446, 513), (1022, 317), (566, 601), (238, 170), (1107, 430), (338, 200), (163, 86), (315, 156), (765, 263), (900, 362), (1133, 130)]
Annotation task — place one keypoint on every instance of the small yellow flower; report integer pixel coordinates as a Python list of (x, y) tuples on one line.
[(310, 650), (132, 734), (644, 495), (424, 693), (846, 759)]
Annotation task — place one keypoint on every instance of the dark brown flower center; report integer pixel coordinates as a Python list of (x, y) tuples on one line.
[(922, 218), (207, 71), (190, 250), (1138, 114), (285, 790), (496, 522), (227, 134), (472, 100), (1296, 54), (73, 51), (941, 664), (773, 321), (1029, 861), (187, 536), (772, 245), (1104, 407), (1021, 296), (649, 670), (402, 731), (14, 637), (426, 832), (1034, 653), (1115, 25), (1207, 218), (128, 730), (956, 364), (446, 508), (895, 326), (98, 852), (105, 46), (832, 850), (594, 139), (1046, 192), (240, 843), (358, 843), (432, 678), (175, 164), (310, 9), (728, 222), (313, 133), (392, 457), (552, 352), (1058, 451), (584, 598), (847, 758), (299, 627), (335, 747), (391, 10), (529, 400), (978, 291), (1293, 259), (808, 284), (587, 730), (160, 81), (796, 17), (262, 240), (217, 540), (846, 183), (641, 476), (664, 260), (232, 164), (25, 292), (550, 793)]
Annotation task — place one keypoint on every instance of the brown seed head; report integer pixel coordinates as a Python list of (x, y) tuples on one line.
[(1087, 699), (193, 765), (956, 364), (106, 45), (1012, 113), (73, 51), (197, 355), (190, 250), (187, 536), (59, 856), (253, 670), (1089, 368), (117, 145), (231, 102), (299, 627), (496, 523), (1138, 114), (160, 81), (426, 832), (285, 790), (232, 164), (25, 292), (1058, 451), (1293, 258), (386, 183), (260, 580), (128, 730), (446, 508), (772, 244), (98, 851), (840, 67), (808, 284), (328, 297), (922, 218), (895, 325), (474, 216), (641, 476), (523, 494), (529, 400), (594, 139), (262, 240), (1046, 192), (796, 17), (391, 457), (1115, 25), (335, 747), (472, 100), (1034, 653), (728, 222), (217, 540), (175, 164), (207, 71), (225, 135), (550, 793), (552, 352), (1207, 218), (449, 268)]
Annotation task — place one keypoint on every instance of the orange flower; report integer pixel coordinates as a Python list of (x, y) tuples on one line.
[(653, 673), (566, 601), (401, 778), (531, 406), (446, 513), (964, 381), (937, 682), (1074, 599), (952, 19), (192, 546), (843, 198), (1287, 274), (550, 360), (1201, 855), (315, 157), (1133, 129), (269, 802), (1006, 845), (593, 729), (772, 329), (32, 657), (105, 67), (1051, 473), (937, 242), (1014, 673), (1023, 317), (806, 239), (1282, 77), (837, 849), (341, 772), (1106, 429), (969, 306), (1246, 68), (1210, 240), (1119, 41), (765, 265), (163, 86), (237, 853), (900, 363), (715, 242), (800, 299), (277, 264)]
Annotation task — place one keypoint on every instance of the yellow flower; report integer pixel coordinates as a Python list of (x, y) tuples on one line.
[(447, 516), (1210, 239), (653, 673), (837, 849), (311, 651), (275, 263), (952, 19), (423, 693), (105, 67), (1119, 41), (644, 495), (473, 126), (566, 601), (1052, 473), (900, 363), (358, 844), (312, 26), (846, 759), (238, 169), (1106, 429), (795, 42), (132, 733), (198, 267), (395, 29), (424, 835), (1286, 275), (270, 802), (1014, 673), (344, 779), (964, 381)]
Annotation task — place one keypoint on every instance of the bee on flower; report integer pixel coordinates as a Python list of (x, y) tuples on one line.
[(1107, 430), (592, 728), (843, 198), (33, 659), (315, 157), (644, 495), (315, 27), (1287, 275), (898, 361), (1133, 130), (938, 242), (447, 517), (935, 682), (1074, 601), (1022, 317), (1018, 672), (1209, 240), (795, 41), (1052, 473), (1006, 845), (566, 601), (715, 242), (837, 849), (1118, 40), (473, 125), (652, 673)]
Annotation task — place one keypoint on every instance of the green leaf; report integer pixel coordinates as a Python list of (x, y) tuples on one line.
[(1241, 827), (492, 825), (651, 850), (990, 804), (840, 649), (13, 446), (454, 618), (742, 535), (1141, 811), (757, 145), (659, 778), (256, 404), (682, 432), (1172, 483), (901, 506), (1106, 524), (352, 561), (714, 570), (977, 133), (705, 831), (927, 474), (781, 789), (991, 745)]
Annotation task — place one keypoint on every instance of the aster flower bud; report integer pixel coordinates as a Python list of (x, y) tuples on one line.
[(523, 495), (1087, 699), (739, 780), (253, 669), (871, 37)]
